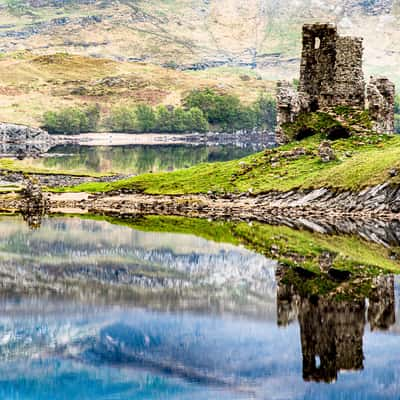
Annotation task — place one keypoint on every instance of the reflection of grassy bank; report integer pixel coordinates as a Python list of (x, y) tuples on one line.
[(29, 167), (300, 250)]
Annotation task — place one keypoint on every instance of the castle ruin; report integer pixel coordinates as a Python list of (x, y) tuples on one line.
[(331, 75)]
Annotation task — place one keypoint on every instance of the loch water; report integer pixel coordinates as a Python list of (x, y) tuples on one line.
[(138, 158), (93, 309)]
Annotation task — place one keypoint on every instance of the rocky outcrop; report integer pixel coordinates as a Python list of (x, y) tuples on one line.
[(372, 213), (13, 133), (380, 202)]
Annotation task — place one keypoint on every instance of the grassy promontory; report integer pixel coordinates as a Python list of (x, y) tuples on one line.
[(364, 159)]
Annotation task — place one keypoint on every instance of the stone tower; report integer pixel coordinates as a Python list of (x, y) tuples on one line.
[(331, 68), (317, 69)]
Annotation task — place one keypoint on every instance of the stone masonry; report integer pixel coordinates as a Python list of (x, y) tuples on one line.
[(331, 75), (380, 99)]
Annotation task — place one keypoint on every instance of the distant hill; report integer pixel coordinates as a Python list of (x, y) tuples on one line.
[(199, 33)]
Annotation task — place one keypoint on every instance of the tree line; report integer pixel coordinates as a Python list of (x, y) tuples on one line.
[(201, 111)]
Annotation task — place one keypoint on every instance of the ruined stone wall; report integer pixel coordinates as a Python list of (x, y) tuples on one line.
[(380, 103), (290, 104), (349, 84)]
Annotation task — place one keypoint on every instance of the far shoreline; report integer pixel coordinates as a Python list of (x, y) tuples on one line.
[(121, 139)]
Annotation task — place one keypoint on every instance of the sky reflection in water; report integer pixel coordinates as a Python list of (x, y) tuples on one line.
[(78, 346)]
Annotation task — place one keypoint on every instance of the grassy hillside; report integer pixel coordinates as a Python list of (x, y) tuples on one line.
[(184, 32), (31, 84), (361, 161)]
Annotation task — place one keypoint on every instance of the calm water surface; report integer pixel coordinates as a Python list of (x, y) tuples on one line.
[(139, 159), (201, 320)]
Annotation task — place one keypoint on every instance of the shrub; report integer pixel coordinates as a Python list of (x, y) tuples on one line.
[(17, 7), (221, 109), (266, 112), (122, 119), (196, 121), (72, 120), (164, 119), (145, 118), (227, 112)]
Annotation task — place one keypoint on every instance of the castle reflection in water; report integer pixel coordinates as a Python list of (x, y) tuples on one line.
[(332, 330)]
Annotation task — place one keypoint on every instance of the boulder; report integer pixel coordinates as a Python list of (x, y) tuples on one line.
[(326, 152)]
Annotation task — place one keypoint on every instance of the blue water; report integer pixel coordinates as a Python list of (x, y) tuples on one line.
[(93, 344)]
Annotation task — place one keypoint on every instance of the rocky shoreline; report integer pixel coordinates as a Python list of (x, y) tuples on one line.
[(53, 180), (316, 210)]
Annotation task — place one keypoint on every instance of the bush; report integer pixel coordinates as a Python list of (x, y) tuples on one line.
[(17, 7), (163, 119), (266, 113), (196, 121), (228, 113), (219, 109), (145, 118), (72, 120)]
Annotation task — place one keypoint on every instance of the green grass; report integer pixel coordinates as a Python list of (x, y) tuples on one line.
[(362, 161)]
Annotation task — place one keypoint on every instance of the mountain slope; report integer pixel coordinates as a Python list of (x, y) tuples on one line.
[(31, 84), (199, 33)]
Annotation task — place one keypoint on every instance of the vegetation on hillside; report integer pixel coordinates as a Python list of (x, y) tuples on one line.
[(202, 110), (265, 34), (163, 119), (226, 112)]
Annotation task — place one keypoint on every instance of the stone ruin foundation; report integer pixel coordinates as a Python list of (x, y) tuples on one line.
[(331, 75)]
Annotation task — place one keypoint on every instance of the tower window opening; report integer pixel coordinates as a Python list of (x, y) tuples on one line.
[(317, 43)]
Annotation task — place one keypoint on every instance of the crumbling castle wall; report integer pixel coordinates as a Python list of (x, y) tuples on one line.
[(331, 75), (349, 83), (290, 103), (380, 100)]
